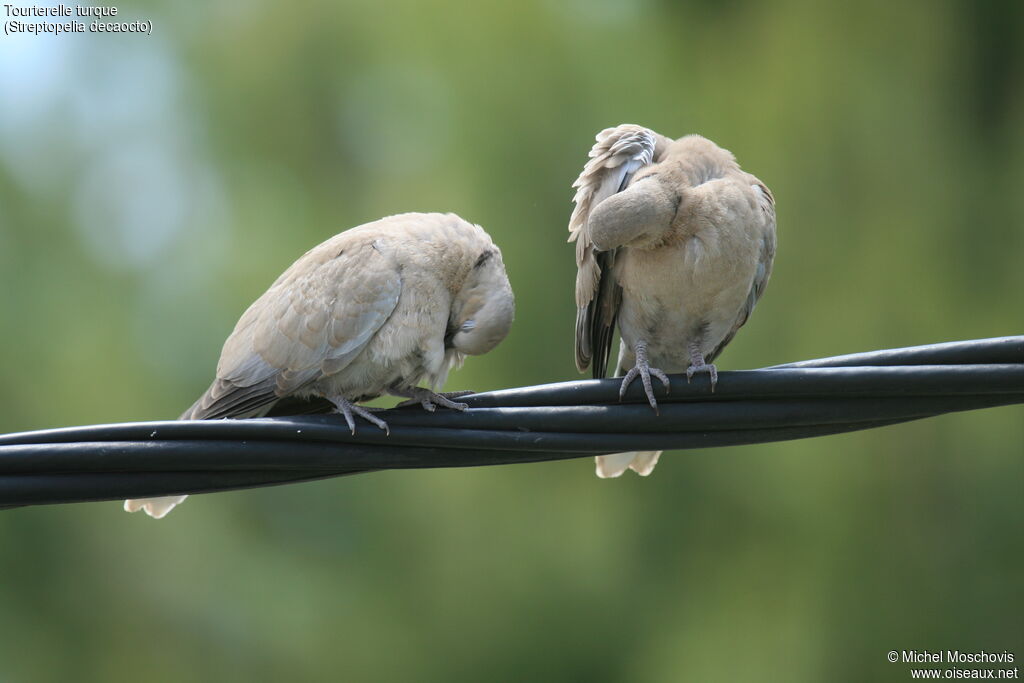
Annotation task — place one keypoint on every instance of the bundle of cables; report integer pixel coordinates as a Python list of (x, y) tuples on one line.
[(528, 424)]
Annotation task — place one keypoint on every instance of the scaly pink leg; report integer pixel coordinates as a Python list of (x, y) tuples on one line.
[(430, 399), (697, 364), (644, 370), (348, 409)]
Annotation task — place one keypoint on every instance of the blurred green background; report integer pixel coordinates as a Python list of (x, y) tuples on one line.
[(152, 186)]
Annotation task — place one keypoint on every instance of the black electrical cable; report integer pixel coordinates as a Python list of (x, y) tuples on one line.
[(528, 424)]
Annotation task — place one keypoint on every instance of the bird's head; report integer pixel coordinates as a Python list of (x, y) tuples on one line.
[(483, 309), (638, 217)]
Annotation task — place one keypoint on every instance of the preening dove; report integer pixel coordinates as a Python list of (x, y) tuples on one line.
[(674, 243), (374, 310)]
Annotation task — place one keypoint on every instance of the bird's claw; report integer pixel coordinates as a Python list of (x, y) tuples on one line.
[(431, 399), (349, 410), (703, 367), (644, 371)]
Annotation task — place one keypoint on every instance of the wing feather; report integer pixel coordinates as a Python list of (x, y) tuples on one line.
[(311, 323), (614, 159), (766, 202)]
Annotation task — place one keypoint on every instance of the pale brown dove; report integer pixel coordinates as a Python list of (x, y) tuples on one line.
[(374, 310), (674, 243)]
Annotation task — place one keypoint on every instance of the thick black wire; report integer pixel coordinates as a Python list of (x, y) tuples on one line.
[(528, 424)]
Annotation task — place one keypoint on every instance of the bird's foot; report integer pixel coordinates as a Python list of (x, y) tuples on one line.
[(350, 409), (643, 370), (703, 367), (431, 399)]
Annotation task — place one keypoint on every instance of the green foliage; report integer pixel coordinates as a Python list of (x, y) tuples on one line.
[(152, 186)]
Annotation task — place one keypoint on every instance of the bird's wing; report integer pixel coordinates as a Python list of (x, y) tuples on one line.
[(595, 322), (616, 156), (766, 204), (311, 323)]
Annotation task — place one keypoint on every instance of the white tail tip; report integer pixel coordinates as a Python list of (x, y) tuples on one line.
[(157, 508), (641, 462)]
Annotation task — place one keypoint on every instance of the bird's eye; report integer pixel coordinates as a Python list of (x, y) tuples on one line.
[(468, 325)]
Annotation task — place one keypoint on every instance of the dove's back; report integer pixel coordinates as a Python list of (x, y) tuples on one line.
[(362, 311)]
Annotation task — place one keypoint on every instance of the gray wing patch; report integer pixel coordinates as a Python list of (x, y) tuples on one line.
[(362, 311), (595, 322), (614, 159), (312, 323), (764, 266)]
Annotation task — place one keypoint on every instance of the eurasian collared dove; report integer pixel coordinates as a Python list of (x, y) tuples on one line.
[(374, 310), (675, 244)]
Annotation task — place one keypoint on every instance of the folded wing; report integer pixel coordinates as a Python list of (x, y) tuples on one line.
[(616, 156), (318, 316), (766, 257)]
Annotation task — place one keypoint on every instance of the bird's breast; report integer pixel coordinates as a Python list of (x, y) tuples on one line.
[(692, 289)]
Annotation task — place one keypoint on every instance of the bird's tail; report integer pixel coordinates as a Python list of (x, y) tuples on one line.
[(641, 462), (157, 508)]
